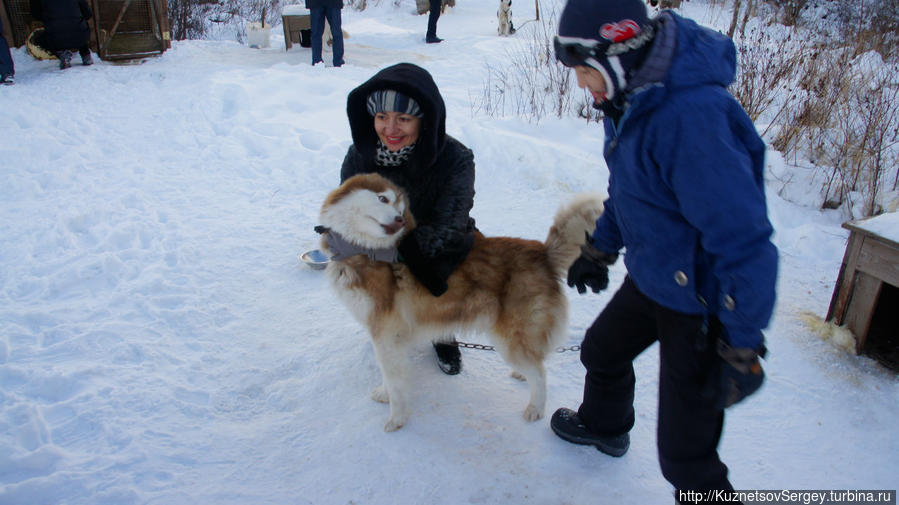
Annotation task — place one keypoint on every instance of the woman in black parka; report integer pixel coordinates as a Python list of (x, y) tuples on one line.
[(65, 28), (398, 123)]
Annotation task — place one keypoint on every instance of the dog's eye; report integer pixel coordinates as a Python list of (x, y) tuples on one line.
[(383, 199)]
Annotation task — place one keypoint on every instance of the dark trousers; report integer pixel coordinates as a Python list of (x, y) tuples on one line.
[(689, 424), (433, 16), (6, 64), (317, 16)]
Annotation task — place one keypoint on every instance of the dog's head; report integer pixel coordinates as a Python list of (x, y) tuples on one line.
[(369, 211)]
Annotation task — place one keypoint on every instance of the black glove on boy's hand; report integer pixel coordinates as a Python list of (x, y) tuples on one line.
[(741, 372), (590, 269)]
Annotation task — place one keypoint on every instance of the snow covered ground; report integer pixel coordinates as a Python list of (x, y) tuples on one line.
[(161, 343)]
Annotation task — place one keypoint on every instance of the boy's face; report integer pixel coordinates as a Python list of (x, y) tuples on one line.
[(591, 79)]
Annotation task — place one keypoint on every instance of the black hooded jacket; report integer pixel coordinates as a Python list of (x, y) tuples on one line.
[(65, 22), (438, 176)]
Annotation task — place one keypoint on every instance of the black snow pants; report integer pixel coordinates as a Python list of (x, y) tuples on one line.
[(689, 424), (433, 16)]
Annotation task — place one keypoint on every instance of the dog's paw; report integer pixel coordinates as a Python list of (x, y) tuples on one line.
[(532, 413), (394, 424), (380, 395), (517, 376)]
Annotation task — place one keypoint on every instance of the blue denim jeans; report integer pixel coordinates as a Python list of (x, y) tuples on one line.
[(6, 64), (317, 21)]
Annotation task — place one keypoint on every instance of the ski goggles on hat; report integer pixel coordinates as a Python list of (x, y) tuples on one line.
[(574, 51)]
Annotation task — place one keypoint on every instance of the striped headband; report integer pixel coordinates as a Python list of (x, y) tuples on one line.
[(388, 100)]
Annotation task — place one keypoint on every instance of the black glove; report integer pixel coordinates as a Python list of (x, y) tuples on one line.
[(590, 269), (422, 268), (741, 372)]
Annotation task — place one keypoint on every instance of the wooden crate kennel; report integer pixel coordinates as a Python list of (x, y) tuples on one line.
[(120, 29), (868, 283)]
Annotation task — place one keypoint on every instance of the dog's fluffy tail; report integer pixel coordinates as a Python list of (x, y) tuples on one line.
[(566, 235)]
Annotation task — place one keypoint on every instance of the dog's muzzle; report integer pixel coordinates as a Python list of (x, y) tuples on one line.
[(395, 226)]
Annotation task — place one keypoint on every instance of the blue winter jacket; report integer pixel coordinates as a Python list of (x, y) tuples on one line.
[(686, 188)]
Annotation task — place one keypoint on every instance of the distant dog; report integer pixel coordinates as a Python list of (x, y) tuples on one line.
[(509, 288), (666, 4), (330, 39), (504, 18)]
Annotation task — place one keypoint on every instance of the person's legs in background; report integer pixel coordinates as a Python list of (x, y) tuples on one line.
[(317, 25), (334, 20), (85, 53), (431, 37), (7, 69)]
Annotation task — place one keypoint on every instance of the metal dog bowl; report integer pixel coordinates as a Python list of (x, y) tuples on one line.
[(316, 259)]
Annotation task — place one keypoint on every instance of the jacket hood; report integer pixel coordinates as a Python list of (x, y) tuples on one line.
[(703, 56), (415, 82), (685, 55)]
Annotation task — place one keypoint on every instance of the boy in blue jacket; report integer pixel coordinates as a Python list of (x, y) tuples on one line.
[(687, 203)]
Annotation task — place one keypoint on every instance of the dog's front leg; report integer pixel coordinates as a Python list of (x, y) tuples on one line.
[(393, 360)]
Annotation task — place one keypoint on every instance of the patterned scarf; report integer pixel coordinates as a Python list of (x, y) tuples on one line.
[(386, 158)]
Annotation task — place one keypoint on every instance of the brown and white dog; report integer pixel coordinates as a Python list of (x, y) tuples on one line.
[(508, 288)]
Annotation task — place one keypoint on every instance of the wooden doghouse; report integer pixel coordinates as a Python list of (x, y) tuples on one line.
[(296, 22), (866, 296), (131, 29), (120, 29)]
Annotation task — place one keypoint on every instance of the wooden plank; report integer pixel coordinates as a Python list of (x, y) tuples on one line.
[(858, 226), (880, 260), (861, 307), (843, 289), (124, 45), (115, 26)]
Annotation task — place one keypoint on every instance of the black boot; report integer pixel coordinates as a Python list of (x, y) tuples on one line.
[(449, 359), (568, 426)]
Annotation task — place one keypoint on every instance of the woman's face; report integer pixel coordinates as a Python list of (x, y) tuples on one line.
[(397, 130)]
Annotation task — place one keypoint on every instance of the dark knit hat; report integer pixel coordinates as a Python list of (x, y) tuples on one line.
[(388, 100), (609, 35)]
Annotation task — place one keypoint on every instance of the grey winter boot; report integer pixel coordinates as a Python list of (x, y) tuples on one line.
[(65, 59), (86, 58)]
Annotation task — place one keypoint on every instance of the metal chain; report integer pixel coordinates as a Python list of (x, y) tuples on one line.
[(482, 347)]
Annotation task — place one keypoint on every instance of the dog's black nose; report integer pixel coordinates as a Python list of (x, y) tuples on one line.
[(399, 220)]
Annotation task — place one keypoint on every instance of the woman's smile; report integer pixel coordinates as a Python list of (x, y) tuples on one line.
[(397, 130)]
